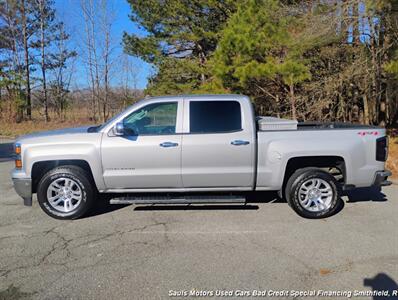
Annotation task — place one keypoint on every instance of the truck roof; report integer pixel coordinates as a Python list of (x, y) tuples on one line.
[(200, 97)]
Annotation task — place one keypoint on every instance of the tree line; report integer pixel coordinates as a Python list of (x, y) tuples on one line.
[(38, 61), (32, 40), (311, 60)]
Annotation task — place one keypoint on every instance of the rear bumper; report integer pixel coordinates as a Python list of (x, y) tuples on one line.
[(381, 178)]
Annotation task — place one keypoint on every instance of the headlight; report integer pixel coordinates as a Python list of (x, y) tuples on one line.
[(17, 149)]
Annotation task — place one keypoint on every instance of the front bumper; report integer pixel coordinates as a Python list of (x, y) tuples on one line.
[(381, 178), (22, 185)]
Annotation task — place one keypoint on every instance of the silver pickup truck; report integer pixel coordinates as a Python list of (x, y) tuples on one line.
[(198, 149)]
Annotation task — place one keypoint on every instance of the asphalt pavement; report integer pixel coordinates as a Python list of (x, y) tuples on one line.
[(151, 252)]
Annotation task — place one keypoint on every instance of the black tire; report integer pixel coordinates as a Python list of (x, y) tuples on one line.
[(298, 178), (81, 178)]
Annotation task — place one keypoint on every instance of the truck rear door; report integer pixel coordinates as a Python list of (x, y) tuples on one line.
[(218, 147)]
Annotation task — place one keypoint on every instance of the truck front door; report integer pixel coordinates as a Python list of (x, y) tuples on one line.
[(148, 156)]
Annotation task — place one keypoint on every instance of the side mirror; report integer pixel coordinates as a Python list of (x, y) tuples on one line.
[(119, 129)]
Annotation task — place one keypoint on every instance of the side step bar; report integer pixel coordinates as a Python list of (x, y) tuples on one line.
[(178, 200)]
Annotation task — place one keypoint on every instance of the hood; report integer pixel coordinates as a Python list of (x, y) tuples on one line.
[(74, 130)]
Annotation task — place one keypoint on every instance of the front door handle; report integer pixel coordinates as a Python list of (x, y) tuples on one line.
[(168, 144), (240, 143)]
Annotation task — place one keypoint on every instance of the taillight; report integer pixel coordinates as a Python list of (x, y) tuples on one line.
[(382, 148)]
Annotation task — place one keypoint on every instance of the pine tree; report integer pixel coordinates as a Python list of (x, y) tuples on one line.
[(181, 37), (16, 29), (29, 26), (257, 48)]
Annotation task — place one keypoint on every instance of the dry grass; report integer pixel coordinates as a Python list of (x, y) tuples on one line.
[(17, 129), (392, 162), (73, 118)]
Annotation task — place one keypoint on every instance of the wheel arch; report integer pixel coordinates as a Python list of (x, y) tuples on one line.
[(39, 168), (323, 162)]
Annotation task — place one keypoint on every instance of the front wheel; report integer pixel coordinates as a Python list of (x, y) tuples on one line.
[(313, 193), (65, 192)]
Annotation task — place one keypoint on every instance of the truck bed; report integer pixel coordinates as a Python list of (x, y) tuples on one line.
[(331, 126), (278, 124)]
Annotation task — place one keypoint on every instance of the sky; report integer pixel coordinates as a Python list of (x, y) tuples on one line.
[(69, 11)]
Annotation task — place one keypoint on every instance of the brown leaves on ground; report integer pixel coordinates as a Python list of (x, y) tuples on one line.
[(73, 118), (392, 161)]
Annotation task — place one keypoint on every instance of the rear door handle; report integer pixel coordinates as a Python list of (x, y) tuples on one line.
[(168, 144), (240, 143)]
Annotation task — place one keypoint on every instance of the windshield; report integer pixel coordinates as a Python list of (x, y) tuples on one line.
[(99, 128)]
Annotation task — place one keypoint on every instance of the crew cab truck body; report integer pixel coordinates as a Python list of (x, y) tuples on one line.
[(196, 145)]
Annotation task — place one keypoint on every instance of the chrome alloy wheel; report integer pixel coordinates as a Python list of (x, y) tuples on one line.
[(64, 194), (315, 195)]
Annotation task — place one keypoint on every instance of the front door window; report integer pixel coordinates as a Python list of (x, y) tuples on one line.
[(153, 119)]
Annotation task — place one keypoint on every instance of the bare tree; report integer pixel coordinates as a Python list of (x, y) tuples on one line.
[(45, 17), (107, 18), (128, 79), (63, 70), (25, 38), (87, 7), (98, 18)]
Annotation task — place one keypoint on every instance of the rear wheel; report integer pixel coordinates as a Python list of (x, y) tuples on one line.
[(313, 193), (66, 192)]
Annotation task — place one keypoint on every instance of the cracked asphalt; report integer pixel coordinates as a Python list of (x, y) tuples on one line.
[(124, 252)]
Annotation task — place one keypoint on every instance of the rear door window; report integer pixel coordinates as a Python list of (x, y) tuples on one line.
[(215, 116)]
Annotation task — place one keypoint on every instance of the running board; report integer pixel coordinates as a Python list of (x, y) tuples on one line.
[(178, 200)]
